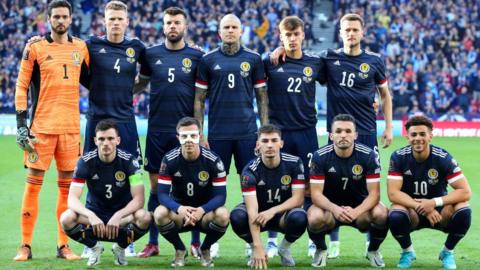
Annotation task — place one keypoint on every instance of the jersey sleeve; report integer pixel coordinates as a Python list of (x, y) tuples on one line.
[(258, 73), (373, 169), (24, 77), (163, 187), (298, 176), (317, 173), (394, 169), (203, 75), (380, 74), (80, 174), (220, 178), (145, 70), (452, 171), (322, 69), (134, 172), (266, 63), (219, 190), (248, 183)]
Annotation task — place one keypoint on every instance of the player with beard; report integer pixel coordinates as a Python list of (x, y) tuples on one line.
[(170, 68), (50, 69)]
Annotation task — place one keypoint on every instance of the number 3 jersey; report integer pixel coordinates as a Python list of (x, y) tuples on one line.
[(272, 186), (351, 86), (108, 183), (198, 183), (426, 179), (345, 180), (291, 92)]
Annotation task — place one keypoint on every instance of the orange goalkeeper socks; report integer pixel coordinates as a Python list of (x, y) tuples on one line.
[(62, 206), (29, 210)]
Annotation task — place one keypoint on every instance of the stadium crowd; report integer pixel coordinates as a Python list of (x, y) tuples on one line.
[(432, 49)]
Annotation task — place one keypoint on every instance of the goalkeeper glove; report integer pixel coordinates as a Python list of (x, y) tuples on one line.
[(25, 140)]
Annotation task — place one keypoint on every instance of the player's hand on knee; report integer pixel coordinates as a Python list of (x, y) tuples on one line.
[(259, 258), (264, 217), (97, 225), (341, 214), (25, 139), (425, 206), (197, 214), (112, 227), (351, 212), (434, 217)]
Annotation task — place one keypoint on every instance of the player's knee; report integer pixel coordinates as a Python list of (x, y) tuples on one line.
[(222, 216), (297, 218), (68, 219), (398, 220), (143, 218), (461, 220), (379, 215), (160, 215), (239, 219), (316, 218)]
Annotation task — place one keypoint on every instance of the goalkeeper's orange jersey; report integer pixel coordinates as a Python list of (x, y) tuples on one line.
[(52, 73)]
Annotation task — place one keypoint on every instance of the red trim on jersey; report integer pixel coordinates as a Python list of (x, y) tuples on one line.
[(201, 82), (298, 182), (165, 178), (394, 174), (260, 81), (382, 81), (317, 177), (248, 189), (78, 180), (372, 176), (453, 175), (219, 180)]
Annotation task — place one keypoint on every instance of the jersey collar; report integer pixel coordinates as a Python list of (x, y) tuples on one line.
[(50, 40)]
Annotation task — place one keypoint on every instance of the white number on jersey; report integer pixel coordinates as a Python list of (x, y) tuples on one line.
[(171, 75), (276, 195), (108, 192), (117, 65), (190, 189), (350, 79), (420, 188), (231, 80), (345, 180), (292, 82)]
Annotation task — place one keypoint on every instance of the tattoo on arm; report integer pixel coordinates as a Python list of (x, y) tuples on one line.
[(199, 104), (262, 104)]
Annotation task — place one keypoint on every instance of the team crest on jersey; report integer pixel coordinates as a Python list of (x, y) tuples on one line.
[(245, 67), (364, 69), (307, 71), (187, 65), (432, 176), (130, 55), (32, 157), (286, 180), (203, 176), (357, 171), (76, 58), (120, 176), (244, 181)]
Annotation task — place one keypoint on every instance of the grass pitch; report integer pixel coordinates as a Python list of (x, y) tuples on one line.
[(426, 242)]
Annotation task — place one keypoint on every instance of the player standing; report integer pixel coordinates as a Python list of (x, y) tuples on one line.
[(273, 191), (192, 193), (345, 188), (171, 70), (291, 96), (228, 75), (114, 208), (51, 67), (417, 187)]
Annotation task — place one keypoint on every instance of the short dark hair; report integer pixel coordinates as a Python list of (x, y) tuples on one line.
[(419, 120), (172, 11), (188, 121), (353, 17), (268, 129), (58, 4), (105, 125), (291, 23), (345, 118)]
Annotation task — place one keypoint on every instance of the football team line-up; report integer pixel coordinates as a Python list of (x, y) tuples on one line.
[(340, 185)]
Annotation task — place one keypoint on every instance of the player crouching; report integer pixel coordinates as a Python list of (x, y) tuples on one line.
[(114, 208), (273, 188), (417, 187), (192, 193)]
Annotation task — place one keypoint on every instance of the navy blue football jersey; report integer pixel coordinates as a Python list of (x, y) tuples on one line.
[(351, 86), (345, 180), (108, 183), (291, 92), (172, 85), (427, 179), (192, 183), (230, 81), (113, 68), (272, 186)]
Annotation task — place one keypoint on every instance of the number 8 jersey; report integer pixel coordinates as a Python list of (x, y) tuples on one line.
[(427, 179)]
